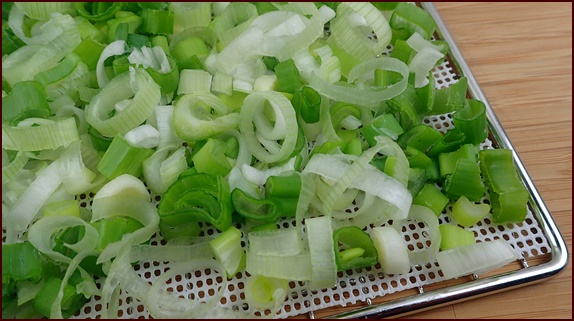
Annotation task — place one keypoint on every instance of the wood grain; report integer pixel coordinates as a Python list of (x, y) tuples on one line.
[(521, 56)]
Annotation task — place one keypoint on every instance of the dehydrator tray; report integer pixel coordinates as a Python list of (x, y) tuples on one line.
[(369, 293)]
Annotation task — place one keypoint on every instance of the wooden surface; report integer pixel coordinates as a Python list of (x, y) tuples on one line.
[(521, 56)]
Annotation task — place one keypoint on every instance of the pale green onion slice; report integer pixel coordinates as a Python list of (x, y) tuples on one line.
[(43, 10), (354, 40), (34, 138), (476, 258), (76, 177), (265, 293), (125, 195), (423, 214), (189, 15), (200, 116), (227, 249), (115, 48), (12, 170), (31, 201), (321, 247), (234, 20), (369, 97), (145, 136), (24, 63), (422, 63), (192, 81), (285, 128), (392, 250), (144, 94), (165, 127), (292, 267), (162, 169), (41, 232), (259, 176), (281, 242), (154, 58), (222, 83)]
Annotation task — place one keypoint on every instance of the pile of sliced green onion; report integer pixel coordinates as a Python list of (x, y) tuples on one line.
[(237, 115)]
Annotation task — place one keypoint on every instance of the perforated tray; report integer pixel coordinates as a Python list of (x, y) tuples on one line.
[(366, 290)]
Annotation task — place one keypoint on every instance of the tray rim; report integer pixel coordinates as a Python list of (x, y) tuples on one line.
[(488, 285)]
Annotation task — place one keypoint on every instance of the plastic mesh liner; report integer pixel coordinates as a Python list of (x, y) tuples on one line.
[(353, 285)]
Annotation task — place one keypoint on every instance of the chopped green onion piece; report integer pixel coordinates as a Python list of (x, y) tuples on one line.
[(323, 266), (467, 213), (20, 262), (197, 197), (283, 191), (263, 210), (450, 99), (93, 11), (49, 135), (413, 19), (421, 137), (449, 142), (288, 76), (210, 158), (264, 293), (447, 161), (157, 21), (307, 103), (454, 236), (431, 197), (391, 249), (417, 179), (465, 180), (200, 116), (112, 229), (471, 120), (508, 196), (26, 100), (89, 50), (63, 208), (121, 157), (71, 301), (385, 124), (227, 249), (353, 249)]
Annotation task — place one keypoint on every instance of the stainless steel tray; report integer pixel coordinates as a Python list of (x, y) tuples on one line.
[(370, 293), (477, 287)]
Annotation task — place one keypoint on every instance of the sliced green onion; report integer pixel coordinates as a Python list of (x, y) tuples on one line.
[(198, 197), (356, 250), (200, 116), (288, 76), (454, 236), (266, 134), (261, 210), (508, 196), (431, 197), (162, 169), (140, 88), (477, 258), (194, 82), (466, 213), (234, 20), (383, 125), (95, 12), (26, 100), (450, 99), (211, 158), (465, 180), (349, 35), (20, 262), (320, 237), (447, 161), (264, 293), (391, 249), (413, 19), (123, 158), (157, 21), (471, 120), (227, 249), (188, 15)]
